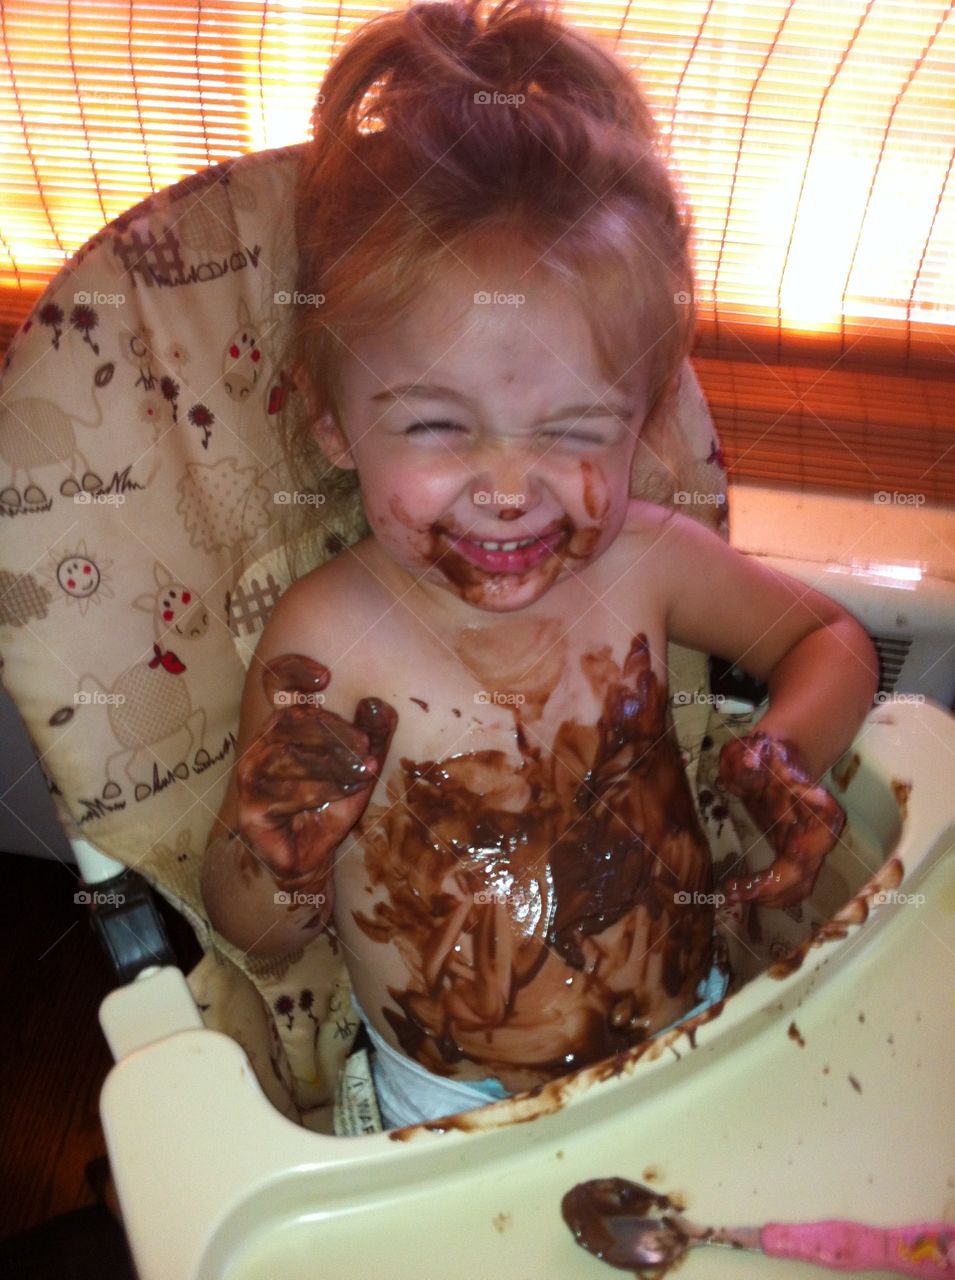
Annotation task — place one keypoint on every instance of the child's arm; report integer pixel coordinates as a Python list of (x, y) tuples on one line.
[(822, 673), (303, 778)]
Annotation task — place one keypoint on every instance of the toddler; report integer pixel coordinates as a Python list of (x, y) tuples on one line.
[(454, 746)]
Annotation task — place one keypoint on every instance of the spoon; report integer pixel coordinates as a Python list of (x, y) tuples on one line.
[(609, 1217)]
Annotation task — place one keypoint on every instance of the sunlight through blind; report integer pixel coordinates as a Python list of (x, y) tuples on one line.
[(814, 138)]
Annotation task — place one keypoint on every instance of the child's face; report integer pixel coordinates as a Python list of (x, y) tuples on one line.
[(512, 435)]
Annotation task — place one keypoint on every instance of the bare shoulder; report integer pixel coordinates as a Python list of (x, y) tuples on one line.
[(323, 615), (645, 519), (658, 537)]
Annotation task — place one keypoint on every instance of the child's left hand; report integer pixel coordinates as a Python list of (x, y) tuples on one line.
[(801, 819)]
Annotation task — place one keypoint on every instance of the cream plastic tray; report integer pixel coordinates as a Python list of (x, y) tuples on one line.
[(749, 1126)]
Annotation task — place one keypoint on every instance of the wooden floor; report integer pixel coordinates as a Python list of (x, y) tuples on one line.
[(53, 1056)]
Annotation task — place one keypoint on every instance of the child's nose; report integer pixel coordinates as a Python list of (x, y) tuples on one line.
[(505, 484)]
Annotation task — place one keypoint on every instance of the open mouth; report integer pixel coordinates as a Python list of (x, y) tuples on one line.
[(514, 555)]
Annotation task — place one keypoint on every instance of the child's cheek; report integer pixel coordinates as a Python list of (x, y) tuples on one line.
[(602, 504), (595, 491), (405, 526)]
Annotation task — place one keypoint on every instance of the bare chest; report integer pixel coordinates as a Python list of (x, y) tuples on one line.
[(513, 689), (522, 848)]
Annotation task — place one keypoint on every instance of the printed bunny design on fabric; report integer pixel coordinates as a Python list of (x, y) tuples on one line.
[(149, 707), (243, 364), (176, 610)]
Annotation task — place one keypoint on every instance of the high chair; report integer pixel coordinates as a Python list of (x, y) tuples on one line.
[(140, 479)]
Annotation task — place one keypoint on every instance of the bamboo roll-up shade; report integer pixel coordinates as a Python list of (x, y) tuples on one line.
[(814, 139)]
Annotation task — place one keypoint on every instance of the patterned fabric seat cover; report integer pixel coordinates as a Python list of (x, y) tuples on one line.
[(140, 483)]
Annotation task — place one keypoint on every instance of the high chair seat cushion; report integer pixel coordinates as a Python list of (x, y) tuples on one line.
[(139, 469)]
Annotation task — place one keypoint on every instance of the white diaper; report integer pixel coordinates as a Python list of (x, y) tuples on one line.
[(409, 1093)]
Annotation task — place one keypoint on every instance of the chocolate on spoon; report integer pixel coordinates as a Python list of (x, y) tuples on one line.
[(609, 1217)]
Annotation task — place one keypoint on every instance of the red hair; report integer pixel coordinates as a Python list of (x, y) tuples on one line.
[(448, 128)]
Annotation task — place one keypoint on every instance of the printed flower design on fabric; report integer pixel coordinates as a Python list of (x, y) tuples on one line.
[(51, 317), (81, 579), (160, 374)]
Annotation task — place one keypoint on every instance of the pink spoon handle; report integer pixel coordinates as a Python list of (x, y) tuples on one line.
[(926, 1249)]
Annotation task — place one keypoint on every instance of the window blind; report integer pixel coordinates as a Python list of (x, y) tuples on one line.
[(815, 140)]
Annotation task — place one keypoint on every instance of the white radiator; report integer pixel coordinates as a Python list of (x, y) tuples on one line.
[(909, 615)]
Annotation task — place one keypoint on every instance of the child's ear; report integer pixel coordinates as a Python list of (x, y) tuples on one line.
[(330, 438), (324, 430)]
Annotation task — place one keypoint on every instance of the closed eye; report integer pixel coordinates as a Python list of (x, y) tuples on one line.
[(576, 435), (430, 426)]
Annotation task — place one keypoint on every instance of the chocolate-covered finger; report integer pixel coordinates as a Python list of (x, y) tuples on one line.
[(751, 888), (293, 673), (378, 720), (783, 884), (637, 717), (637, 660)]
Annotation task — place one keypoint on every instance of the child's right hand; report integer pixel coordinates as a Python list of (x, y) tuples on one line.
[(308, 777)]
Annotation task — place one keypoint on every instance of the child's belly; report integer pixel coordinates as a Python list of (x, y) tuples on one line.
[(524, 913)]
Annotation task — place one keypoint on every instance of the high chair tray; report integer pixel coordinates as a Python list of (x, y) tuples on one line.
[(825, 1093)]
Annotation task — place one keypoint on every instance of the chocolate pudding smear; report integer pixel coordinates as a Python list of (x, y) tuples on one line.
[(544, 910), (563, 545)]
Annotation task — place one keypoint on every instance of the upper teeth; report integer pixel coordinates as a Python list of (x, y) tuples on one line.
[(507, 546)]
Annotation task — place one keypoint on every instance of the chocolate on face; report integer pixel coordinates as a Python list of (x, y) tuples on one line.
[(536, 906), (431, 545)]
